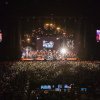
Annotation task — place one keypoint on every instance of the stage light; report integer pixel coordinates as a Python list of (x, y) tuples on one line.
[(38, 38), (58, 28), (47, 24), (64, 33), (63, 50), (28, 39), (51, 24), (57, 38)]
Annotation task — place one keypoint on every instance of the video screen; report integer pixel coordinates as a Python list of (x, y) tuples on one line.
[(98, 35), (48, 44), (51, 43), (0, 36)]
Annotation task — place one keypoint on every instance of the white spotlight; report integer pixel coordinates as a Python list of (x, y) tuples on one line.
[(63, 50), (28, 39)]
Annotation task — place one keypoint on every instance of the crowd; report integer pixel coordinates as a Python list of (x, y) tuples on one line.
[(19, 78), (52, 65)]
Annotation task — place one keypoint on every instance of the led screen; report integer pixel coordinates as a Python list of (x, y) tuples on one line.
[(0, 36), (48, 44), (98, 35), (52, 43)]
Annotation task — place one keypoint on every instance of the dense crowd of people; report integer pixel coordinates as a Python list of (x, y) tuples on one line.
[(20, 80)]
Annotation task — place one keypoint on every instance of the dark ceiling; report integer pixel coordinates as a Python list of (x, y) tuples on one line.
[(45, 7)]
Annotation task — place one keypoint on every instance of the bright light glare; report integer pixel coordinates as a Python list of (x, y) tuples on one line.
[(58, 28), (28, 39), (51, 24), (64, 33), (47, 24), (63, 50)]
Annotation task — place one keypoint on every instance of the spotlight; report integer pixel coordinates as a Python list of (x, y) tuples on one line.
[(38, 38), (28, 39), (63, 50)]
